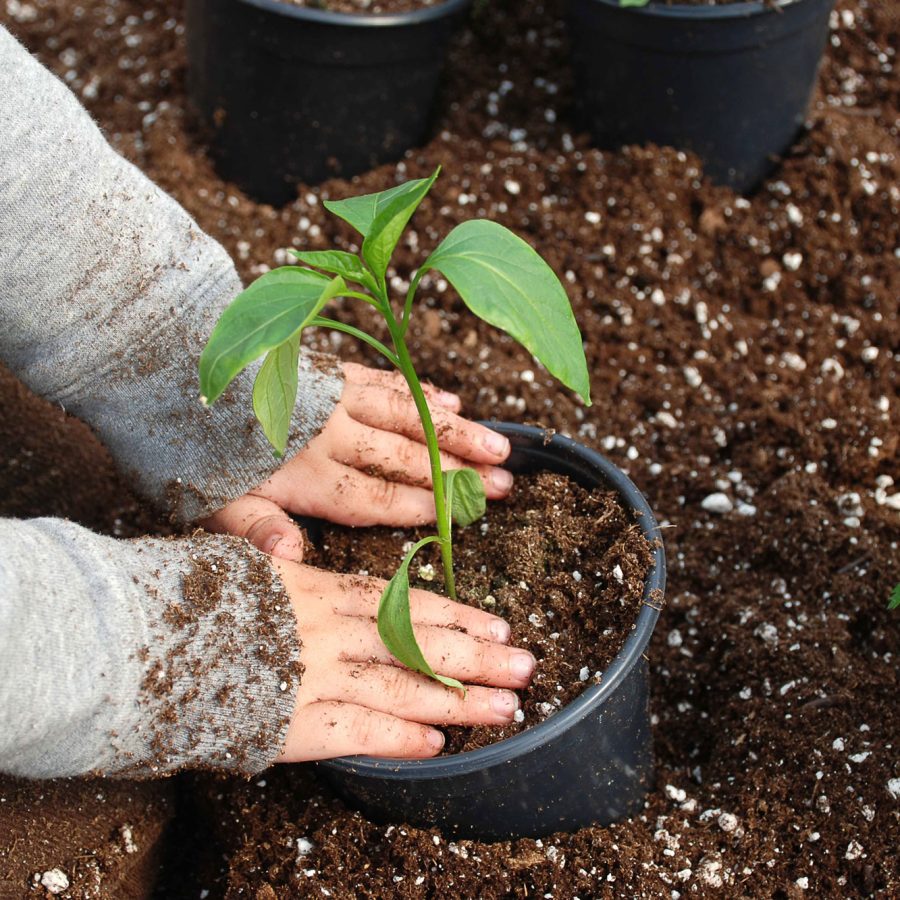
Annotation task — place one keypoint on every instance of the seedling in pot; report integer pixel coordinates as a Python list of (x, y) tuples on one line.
[(498, 276)]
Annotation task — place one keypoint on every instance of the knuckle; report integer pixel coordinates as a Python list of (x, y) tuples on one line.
[(384, 493), (364, 728), (401, 688), (258, 529)]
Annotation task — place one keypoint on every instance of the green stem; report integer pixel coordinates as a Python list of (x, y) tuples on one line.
[(405, 365), (324, 322)]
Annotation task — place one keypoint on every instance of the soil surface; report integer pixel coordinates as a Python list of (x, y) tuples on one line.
[(564, 566), (366, 6), (743, 353)]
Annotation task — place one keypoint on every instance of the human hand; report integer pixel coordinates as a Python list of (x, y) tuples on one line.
[(355, 698), (368, 466)]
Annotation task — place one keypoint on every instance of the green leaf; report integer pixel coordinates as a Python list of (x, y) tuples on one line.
[(337, 262), (275, 392), (895, 597), (361, 212), (466, 501), (274, 308), (395, 624), (388, 225), (626, 3), (504, 281)]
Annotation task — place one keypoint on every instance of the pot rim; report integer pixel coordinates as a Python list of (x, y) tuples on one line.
[(530, 739), (359, 20), (740, 10)]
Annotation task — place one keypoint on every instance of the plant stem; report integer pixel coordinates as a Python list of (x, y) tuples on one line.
[(405, 365), (325, 322)]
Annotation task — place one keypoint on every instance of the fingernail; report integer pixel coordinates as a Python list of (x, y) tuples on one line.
[(435, 740), (271, 543), (445, 398), (495, 443), (501, 480), (499, 631), (521, 665), (504, 703)]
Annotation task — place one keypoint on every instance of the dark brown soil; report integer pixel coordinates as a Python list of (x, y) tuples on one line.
[(366, 6), (743, 346), (94, 840), (564, 566)]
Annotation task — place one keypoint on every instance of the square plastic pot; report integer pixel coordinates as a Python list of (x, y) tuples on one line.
[(590, 763)]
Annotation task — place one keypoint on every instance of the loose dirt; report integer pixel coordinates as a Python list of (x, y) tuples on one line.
[(743, 353)]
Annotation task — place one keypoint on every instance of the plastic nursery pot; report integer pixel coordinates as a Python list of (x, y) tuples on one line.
[(591, 762), (292, 94), (731, 82)]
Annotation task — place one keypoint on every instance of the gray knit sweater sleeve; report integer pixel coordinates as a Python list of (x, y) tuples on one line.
[(140, 657), (108, 292)]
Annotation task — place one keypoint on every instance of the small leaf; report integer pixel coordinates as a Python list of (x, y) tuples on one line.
[(506, 283), (337, 262), (895, 597), (361, 212), (395, 623), (466, 501), (388, 225), (275, 392), (274, 308), (626, 3)]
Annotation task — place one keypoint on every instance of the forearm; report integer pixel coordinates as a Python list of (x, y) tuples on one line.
[(109, 292), (140, 657)]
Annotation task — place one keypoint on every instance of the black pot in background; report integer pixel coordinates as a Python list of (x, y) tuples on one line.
[(729, 82), (592, 762), (296, 95)]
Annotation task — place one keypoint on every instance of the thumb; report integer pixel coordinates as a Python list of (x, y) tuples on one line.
[(264, 523)]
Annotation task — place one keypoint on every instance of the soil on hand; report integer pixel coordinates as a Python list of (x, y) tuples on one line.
[(367, 6), (563, 565), (743, 353)]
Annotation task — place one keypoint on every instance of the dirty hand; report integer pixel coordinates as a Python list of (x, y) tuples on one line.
[(355, 698), (368, 466)]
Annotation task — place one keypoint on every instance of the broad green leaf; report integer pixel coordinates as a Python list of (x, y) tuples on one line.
[(361, 212), (895, 597), (337, 262), (388, 225), (395, 624), (276, 306), (466, 501), (275, 392), (627, 3), (504, 281)]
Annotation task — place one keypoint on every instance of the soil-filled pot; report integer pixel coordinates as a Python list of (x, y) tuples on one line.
[(292, 94), (591, 762), (730, 82)]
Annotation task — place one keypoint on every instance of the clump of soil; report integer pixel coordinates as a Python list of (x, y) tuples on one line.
[(82, 839), (563, 565), (367, 6)]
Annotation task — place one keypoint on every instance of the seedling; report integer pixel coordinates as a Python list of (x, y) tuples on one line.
[(498, 276), (894, 602)]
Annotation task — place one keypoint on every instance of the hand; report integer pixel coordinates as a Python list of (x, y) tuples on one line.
[(368, 466), (355, 698)]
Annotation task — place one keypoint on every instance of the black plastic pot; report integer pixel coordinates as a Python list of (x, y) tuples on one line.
[(592, 762), (730, 82), (296, 95)]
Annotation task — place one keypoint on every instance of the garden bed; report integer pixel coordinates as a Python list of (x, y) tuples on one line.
[(744, 363)]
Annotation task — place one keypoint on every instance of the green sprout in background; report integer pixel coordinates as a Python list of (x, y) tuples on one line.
[(894, 602), (499, 277)]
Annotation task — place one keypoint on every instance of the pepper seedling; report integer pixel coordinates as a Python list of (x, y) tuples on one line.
[(499, 277)]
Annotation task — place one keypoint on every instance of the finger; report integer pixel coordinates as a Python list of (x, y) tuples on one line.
[(416, 698), (262, 522), (469, 659), (395, 411), (326, 730), (364, 375), (355, 596), (354, 498), (394, 457)]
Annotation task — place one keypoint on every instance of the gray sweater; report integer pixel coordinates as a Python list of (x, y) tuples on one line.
[(130, 657)]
